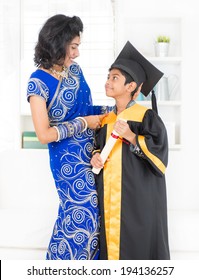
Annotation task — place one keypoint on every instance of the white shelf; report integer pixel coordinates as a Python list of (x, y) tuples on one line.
[(165, 60), (169, 103), (176, 147)]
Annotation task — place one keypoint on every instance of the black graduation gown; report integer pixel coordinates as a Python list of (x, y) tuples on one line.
[(132, 189)]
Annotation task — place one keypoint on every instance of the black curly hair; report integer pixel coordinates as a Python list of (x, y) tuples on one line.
[(57, 32)]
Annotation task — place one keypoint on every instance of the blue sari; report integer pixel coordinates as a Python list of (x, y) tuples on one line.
[(76, 231)]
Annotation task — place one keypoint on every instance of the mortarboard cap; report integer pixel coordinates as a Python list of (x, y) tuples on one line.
[(138, 67)]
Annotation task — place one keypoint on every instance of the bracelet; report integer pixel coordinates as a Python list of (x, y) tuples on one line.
[(95, 152), (85, 123), (69, 128), (136, 150), (58, 134)]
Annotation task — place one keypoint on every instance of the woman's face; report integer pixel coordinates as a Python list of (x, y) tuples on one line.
[(72, 51)]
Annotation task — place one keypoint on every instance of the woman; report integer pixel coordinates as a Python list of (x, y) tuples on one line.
[(64, 117)]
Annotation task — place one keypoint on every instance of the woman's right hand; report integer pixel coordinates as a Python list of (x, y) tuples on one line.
[(94, 121)]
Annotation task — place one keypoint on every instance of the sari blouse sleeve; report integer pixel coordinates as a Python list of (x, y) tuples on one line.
[(37, 87)]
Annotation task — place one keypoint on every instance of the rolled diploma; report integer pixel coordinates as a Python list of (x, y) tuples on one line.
[(107, 149)]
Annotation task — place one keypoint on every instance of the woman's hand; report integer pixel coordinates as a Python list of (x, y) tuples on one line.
[(94, 121)]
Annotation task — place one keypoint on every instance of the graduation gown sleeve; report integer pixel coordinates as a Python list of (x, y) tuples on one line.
[(151, 138)]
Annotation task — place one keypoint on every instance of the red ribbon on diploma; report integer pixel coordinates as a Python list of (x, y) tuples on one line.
[(114, 136)]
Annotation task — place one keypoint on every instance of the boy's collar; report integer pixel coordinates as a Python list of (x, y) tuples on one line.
[(131, 103)]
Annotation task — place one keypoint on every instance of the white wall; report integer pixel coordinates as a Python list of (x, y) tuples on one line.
[(28, 200)]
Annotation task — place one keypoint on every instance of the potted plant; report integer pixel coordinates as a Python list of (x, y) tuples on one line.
[(162, 45)]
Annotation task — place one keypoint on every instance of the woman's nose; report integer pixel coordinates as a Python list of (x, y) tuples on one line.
[(77, 52)]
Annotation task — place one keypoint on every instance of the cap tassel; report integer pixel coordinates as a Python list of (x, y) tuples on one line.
[(154, 102)]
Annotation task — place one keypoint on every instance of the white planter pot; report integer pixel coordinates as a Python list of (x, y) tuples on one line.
[(161, 49)]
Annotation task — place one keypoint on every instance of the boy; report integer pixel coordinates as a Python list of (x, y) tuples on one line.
[(131, 185)]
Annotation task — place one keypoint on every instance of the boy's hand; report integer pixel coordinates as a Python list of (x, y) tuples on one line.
[(96, 161), (123, 129)]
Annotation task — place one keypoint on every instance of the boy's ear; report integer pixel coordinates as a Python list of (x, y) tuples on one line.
[(135, 95), (132, 86)]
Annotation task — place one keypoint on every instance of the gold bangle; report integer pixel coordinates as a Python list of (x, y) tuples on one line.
[(95, 152)]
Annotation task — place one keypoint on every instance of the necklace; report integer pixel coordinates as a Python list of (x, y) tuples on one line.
[(63, 73)]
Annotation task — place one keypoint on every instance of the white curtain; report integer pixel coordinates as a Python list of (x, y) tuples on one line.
[(9, 71)]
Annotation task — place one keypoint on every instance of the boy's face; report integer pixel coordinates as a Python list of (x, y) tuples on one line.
[(115, 85)]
